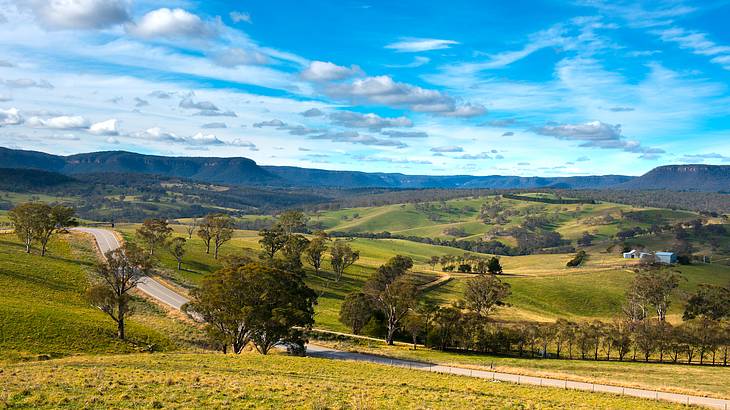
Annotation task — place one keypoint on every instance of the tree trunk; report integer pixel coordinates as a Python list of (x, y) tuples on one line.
[(216, 252), (179, 265), (43, 249), (27, 246), (120, 322)]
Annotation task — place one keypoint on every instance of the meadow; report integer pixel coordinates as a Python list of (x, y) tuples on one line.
[(250, 380), (43, 313)]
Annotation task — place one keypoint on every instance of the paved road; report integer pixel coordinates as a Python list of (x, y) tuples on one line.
[(108, 241)]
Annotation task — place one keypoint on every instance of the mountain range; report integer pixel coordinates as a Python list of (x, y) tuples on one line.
[(244, 171)]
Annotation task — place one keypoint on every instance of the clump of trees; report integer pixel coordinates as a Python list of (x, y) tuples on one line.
[(257, 303), (468, 263), (578, 259), (216, 229), (37, 221), (265, 302)]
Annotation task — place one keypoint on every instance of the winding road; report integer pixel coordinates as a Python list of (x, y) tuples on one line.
[(107, 240)]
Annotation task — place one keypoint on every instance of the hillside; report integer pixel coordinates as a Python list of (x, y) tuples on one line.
[(244, 171), (43, 312), (695, 177), (275, 381)]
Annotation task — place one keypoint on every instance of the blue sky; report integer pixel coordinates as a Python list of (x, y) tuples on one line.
[(458, 87)]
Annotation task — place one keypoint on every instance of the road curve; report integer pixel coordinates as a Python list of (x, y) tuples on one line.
[(106, 240)]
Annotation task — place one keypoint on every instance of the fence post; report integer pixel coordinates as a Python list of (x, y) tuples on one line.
[(518, 379)]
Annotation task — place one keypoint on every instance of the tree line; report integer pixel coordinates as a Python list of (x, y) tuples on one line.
[(389, 305)]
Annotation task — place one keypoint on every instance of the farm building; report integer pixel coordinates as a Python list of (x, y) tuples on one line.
[(631, 254), (666, 257)]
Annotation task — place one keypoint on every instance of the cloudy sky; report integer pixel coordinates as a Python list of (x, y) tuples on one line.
[(459, 87)]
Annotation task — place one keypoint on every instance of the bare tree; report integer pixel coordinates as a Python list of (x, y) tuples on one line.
[(190, 227)]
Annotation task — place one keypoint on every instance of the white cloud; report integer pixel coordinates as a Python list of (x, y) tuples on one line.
[(357, 138), (597, 134), (312, 112), (28, 83), (11, 116), (211, 125), (170, 24), (697, 43), (108, 127), (417, 62), (63, 122), (189, 103), (234, 57), (447, 148), (239, 16), (270, 123), (112, 140), (322, 71), (405, 134), (204, 139), (415, 45), (79, 14), (384, 90), (371, 121)]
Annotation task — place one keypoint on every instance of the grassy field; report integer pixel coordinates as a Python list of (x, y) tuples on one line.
[(434, 218), (694, 380), (276, 381), (43, 312)]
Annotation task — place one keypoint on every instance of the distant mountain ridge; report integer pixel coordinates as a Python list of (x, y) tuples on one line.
[(244, 171), (690, 177)]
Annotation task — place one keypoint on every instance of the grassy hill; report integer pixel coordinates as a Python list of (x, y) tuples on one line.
[(275, 381), (43, 312)]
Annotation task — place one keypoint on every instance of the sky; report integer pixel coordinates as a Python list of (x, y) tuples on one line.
[(531, 88)]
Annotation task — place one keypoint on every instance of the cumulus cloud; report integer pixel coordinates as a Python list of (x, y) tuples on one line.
[(79, 14), (371, 121), (370, 158), (270, 123), (238, 142), (405, 134), (164, 95), (204, 139), (447, 148), (234, 57), (504, 122), (138, 102), (63, 122), (11, 116), (357, 138), (704, 157), (481, 155), (384, 90), (239, 16), (112, 140), (312, 112), (171, 24), (598, 135), (108, 127), (214, 125), (189, 103), (299, 130), (415, 45), (156, 133), (322, 71), (216, 113), (28, 83)]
